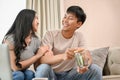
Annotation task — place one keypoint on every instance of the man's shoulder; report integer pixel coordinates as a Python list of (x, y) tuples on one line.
[(78, 33), (53, 32)]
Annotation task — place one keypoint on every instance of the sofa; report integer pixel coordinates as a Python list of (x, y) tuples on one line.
[(108, 58), (5, 69), (111, 70)]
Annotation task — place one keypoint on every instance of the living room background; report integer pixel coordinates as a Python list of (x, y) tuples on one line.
[(103, 21), (100, 29)]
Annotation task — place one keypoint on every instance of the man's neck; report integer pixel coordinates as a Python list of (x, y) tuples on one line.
[(67, 34)]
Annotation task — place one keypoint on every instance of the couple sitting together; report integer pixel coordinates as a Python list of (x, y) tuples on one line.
[(53, 56)]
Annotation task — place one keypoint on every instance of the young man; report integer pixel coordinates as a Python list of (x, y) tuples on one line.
[(63, 43)]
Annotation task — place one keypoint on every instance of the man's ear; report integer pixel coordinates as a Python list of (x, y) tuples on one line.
[(79, 24)]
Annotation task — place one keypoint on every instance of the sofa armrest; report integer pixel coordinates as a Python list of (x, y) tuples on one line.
[(111, 77)]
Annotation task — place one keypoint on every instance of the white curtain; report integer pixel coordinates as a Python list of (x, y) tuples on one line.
[(48, 13)]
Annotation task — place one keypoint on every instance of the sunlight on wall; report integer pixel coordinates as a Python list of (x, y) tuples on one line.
[(8, 12)]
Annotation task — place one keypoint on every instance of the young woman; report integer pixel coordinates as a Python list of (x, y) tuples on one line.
[(24, 44)]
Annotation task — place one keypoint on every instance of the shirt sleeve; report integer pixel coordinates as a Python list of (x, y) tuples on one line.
[(37, 42), (9, 39), (48, 39), (82, 41)]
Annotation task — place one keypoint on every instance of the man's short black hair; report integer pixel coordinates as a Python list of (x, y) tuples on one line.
[(78, 12)]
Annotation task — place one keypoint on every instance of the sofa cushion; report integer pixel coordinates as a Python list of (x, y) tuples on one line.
[(114, 61), (99, 56)]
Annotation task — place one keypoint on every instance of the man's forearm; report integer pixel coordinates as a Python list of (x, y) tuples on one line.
[(52, 59)]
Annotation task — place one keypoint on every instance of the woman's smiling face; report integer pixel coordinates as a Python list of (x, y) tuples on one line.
[(35, 23)]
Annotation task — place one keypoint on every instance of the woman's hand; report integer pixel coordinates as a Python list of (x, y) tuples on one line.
[(49, 53), (42, 50)]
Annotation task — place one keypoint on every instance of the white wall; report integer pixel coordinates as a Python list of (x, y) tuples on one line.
[(103, 21), (8, 12)]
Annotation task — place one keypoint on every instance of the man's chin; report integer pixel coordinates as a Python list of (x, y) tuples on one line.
[(65, 28)]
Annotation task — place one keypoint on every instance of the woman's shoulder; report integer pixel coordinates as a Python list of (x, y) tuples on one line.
[(9, 38), (35, 43), (35, 38)]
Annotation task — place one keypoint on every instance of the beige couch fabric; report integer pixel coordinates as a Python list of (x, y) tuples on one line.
[(112, 67), (114, 61)]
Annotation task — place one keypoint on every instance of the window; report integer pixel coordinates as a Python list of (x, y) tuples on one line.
[(8, 12)]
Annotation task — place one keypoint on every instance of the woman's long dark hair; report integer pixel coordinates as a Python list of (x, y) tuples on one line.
[(21, 29)]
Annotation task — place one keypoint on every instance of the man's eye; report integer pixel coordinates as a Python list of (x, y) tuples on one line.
[(71, 18), (64, 16)]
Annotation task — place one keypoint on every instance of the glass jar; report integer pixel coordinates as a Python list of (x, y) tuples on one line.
[(81, 59)]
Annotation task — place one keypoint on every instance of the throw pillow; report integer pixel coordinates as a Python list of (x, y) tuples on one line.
[(99, 56)]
